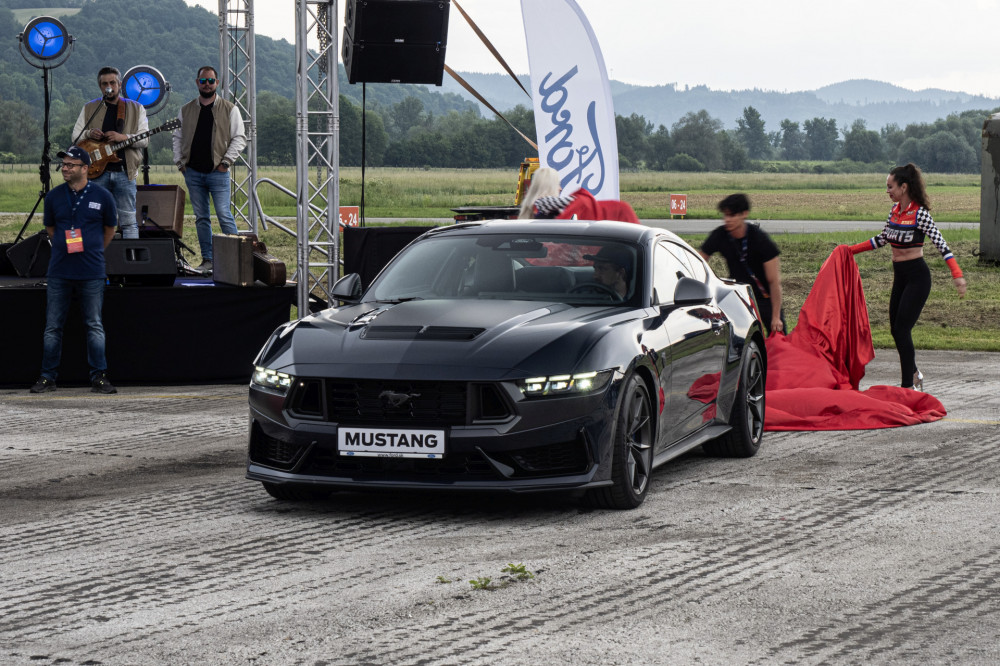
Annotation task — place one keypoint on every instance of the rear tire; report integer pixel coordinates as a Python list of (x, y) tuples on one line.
[(747, 418), (281, 491), (632, 460)]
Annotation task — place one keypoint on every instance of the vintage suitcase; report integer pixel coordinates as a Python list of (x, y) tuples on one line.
[(232, 259), (30, 257), (267, 268)]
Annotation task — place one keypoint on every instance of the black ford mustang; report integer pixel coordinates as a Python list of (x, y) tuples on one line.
[(523, 356)]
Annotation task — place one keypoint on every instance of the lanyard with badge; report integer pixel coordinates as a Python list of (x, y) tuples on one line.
[(74, 236)]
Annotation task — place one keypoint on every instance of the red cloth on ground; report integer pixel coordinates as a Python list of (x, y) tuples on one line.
[(586, 207), (814, 372)]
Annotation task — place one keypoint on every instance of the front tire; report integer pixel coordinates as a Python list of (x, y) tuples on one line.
[(632, 459), (747, 418)]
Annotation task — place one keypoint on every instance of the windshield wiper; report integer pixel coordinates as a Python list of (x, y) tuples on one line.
[(395, 301)]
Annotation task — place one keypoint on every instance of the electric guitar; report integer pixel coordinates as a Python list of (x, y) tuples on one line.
[(103, 153)]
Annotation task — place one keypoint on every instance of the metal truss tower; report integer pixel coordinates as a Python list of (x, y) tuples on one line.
[(317, 149), (238, 84), (317, 94)]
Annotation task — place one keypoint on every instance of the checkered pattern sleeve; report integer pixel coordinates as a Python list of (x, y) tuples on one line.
[(874, 242), (926, 224), (549, 207)]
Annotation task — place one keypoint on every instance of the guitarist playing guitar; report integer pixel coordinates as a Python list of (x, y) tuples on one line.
[(113, 118)]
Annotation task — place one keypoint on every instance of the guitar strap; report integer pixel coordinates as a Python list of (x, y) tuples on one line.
[(120, 124)]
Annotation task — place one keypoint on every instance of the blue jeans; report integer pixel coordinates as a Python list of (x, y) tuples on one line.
[(90, 295), (199, 186), (123, 189)]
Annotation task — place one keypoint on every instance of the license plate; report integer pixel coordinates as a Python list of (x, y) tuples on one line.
[(390, 443)]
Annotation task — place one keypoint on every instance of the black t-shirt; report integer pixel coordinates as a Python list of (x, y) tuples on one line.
[(111, 124), (759, 250), (201, 143)]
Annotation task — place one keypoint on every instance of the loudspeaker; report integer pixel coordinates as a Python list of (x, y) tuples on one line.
[(395, 41), (397, 21), (367, 250), (30, 257), (141, 261), (163, 204)]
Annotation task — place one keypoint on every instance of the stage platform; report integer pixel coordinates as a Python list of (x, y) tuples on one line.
[(195, 331)]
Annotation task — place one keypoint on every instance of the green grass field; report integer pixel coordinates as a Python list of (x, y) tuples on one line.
[(419, 193), (972, 323)]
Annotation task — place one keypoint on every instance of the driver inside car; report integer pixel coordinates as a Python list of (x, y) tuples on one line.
[(612, 267)]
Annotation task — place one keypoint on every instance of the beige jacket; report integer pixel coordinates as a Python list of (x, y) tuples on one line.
[(228, 136), (135, 123)]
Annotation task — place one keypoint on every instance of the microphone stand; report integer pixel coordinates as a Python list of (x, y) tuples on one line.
[(45, 168), (96, 109)]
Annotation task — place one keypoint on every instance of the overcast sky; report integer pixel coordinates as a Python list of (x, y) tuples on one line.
[(782, 45)]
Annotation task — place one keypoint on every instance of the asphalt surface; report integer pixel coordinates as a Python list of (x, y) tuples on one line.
[(128, 535)]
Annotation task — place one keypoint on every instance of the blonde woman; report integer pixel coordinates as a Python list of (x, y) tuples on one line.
[(544, 183)]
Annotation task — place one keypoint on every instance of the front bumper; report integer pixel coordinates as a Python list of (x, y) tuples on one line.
[(551, 444)]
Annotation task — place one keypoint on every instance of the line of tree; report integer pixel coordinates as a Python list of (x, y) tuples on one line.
[(405, 134)]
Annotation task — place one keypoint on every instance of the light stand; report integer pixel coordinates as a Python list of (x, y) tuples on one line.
[(46, 45), (145, 85)]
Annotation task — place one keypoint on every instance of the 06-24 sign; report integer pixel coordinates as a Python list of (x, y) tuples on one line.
[(350, 216)]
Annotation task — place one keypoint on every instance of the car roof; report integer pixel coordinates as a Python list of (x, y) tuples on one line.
[(609, 229)]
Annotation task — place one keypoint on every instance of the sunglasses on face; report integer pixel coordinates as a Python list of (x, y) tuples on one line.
[(204, 81), (70, 165)]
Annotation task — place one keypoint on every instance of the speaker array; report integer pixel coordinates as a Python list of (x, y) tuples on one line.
[(395, 41)]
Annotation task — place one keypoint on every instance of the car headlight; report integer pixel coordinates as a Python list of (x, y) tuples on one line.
[(560, 385), (272, 379)]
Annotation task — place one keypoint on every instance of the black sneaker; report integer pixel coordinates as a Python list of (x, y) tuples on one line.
[(100, 384), (43, 385)]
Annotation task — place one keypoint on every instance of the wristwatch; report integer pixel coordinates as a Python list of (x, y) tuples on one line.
[(225, 163)]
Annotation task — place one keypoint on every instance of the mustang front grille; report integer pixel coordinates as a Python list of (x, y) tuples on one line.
[(383, 402)]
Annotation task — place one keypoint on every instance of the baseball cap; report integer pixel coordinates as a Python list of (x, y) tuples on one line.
[(75, 152), (613, 254)]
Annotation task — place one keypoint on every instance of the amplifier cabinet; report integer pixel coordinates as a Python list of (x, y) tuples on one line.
[(161, 205)]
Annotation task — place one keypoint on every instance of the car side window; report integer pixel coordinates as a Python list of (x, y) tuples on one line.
[(667, 269), (693, 264)]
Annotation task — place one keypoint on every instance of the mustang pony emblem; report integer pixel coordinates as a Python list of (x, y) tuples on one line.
[(396, 400)]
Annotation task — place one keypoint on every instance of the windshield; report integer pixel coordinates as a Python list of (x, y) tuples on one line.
[(569, 269)]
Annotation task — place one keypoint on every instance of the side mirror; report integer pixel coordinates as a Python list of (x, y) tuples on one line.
[(347, 288), (691, 292)]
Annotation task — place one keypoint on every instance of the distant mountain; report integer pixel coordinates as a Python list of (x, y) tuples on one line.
[(866, 91), (876, 102)]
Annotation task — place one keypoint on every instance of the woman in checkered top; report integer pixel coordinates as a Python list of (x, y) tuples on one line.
[(909, 223)]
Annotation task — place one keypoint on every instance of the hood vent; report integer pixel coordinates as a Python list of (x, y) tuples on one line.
[(421, 333)]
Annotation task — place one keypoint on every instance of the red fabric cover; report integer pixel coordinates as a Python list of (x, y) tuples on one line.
[(814, 372), (586, 207)]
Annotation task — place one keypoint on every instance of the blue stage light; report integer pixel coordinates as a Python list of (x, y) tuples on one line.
[(45, 38), (146, 86)]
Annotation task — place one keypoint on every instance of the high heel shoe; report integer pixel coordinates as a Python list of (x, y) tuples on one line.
[(918, 381)]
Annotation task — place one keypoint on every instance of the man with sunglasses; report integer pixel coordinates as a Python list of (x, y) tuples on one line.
[(207, 143), (80, 218), (113, 118)]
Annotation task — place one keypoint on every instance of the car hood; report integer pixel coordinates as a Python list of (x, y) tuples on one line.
[(446, 338)]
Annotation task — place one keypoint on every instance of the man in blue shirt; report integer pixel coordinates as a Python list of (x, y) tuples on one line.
[(80, 218)]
